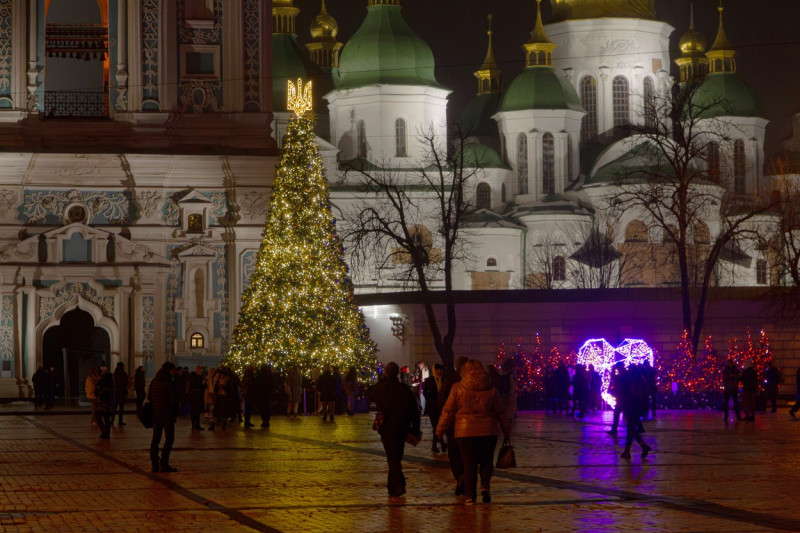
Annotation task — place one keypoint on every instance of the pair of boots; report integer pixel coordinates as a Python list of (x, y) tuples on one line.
[(213, 425), (645, 450)]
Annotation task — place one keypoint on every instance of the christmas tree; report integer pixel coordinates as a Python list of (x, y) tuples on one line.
[(299, 309)]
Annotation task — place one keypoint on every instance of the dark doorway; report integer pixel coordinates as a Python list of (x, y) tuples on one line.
[(73, 348)]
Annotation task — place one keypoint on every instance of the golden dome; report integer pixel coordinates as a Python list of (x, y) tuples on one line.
[(588, 9), (324, 26), (693, 42)]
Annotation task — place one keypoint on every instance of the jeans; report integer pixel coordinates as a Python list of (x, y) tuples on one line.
[(478, 455), (168, 429), (394, 445)]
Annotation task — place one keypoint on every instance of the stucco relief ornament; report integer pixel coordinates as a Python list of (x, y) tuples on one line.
[(149, 202), (27, 250), (254, 205), (8, 199)]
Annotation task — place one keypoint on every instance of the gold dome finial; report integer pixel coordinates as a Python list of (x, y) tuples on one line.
[(324, 48), (298, 98), (693, 63), (283, 16), (489, 75), (722, 56), (539, 48)]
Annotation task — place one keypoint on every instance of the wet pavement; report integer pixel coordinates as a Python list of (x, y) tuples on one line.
[(307, 475)]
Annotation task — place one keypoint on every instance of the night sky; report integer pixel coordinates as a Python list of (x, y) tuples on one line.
[(764, 33)]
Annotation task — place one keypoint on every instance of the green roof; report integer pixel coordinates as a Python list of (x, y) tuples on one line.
[(482, 156), (540, 88), (385, 51), (640, 163), (290, 61), (476, 119), (726, 95)]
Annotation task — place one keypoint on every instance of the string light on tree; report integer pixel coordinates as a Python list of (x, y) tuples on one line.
[(298, 309)]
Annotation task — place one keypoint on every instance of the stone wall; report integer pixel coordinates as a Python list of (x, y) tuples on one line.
[(569, 317)]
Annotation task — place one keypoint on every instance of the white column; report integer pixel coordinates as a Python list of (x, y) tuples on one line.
[(33, 71), (122, 56)]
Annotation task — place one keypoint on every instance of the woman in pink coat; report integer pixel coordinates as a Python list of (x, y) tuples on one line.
[(475, 408)]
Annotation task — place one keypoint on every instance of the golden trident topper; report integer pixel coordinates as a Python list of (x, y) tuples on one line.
[(299, 98)]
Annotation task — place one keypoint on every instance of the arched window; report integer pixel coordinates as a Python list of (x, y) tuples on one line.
[(361, 138), (713, 161), (522, 164), (649, 102), (400, 137), (197, 340), (621, 101), (636, 231), (589, 103), (548, 164), (761, 272), (739, 167), (483, 196), (559, 268), (491, 262)]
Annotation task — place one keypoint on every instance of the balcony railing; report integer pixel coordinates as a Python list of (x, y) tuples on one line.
[(76, 104)]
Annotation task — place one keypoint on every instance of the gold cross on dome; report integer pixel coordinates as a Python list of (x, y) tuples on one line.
[(299, 98)]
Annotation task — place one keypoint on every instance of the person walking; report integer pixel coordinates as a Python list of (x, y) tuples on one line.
[(326, 384), (396, 403), (730, 387), (248, 384), (264, 387), (197, 390), (474, 408), (38, 387), (749, 392), (89, 387), (562, 387), (615, 389), (351, 389), (451, 376), (794, 409), (165, 410), (222, 399), (120, 392), (772, 381), (635, 405), (651, 377), (430, 390), (138, 386), (580, 391), (294, 382), (105, 396), (507, 386)]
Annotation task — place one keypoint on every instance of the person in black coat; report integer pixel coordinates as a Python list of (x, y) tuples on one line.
[(635, 404), (196, 388), (451, 376), (264, 385), (397, 404), (138, 386), (165, 410), (120, 392), (430, 390), (326, 385), (104, 390)]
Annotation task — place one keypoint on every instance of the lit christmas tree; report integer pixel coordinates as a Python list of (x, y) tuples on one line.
[(299, 309)]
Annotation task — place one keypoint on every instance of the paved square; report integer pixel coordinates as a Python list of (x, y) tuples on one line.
[(307, 475)]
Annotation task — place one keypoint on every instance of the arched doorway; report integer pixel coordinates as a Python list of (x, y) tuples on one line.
[(73, 348)]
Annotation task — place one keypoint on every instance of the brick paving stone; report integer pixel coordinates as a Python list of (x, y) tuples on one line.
[(305, 475)]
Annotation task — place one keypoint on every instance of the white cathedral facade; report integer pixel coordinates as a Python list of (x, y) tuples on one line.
[(140, 140)]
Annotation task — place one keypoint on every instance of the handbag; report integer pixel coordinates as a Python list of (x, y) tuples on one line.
[(506, 457), (377, 424), (145, 414)]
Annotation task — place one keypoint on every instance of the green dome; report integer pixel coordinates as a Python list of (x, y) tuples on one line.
[(385, 51), (289, 62), (478, 155), (724, 94), (476, 119), (540, 88)]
